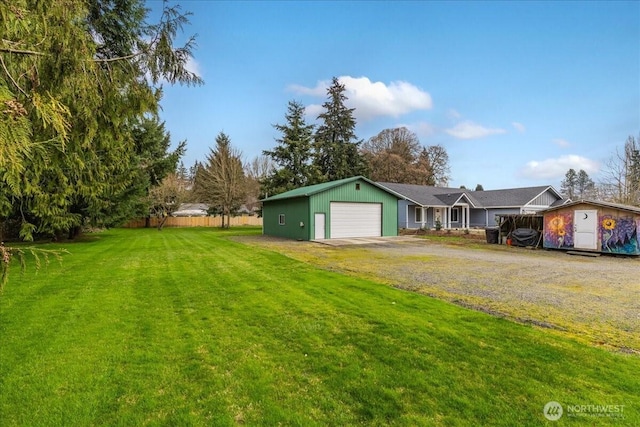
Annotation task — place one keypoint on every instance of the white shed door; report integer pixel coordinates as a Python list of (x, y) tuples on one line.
[(585, 229), (356, 220), (318, 220)]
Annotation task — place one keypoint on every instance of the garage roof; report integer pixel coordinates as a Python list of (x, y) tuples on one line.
[(319, 188)]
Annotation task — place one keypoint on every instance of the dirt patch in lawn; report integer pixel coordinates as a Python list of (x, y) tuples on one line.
[(596, 300)]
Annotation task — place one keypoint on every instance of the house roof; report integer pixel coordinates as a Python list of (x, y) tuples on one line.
[(423, 194), (510, 197), (319, 188), (442, 196), (632, 209), (193, 206)]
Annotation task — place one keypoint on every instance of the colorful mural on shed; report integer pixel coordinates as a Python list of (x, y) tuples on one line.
[(615, 229), (618, 235), (558, 230)]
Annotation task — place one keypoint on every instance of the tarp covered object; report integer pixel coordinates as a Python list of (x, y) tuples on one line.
[(525, 237)]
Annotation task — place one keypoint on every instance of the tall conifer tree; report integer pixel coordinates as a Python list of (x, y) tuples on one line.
[(336, 146), (293, 155), (77, 77)]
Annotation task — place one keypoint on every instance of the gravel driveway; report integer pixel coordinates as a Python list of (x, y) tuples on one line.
[(594, 299)]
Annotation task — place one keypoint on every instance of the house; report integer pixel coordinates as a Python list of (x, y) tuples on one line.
[(593, 226), (191, 209), (424, 206), (351, 207)]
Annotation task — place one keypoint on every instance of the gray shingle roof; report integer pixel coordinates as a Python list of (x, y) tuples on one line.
[(444, 196), (422, 194), (509, 197)]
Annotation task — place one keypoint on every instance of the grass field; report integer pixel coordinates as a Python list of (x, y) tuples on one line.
[(187, 327)]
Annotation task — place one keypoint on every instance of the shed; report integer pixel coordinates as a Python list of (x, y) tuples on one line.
[(350, 207), (593, 226)]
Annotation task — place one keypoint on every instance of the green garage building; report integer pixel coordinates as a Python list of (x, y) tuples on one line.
[(350, 207)]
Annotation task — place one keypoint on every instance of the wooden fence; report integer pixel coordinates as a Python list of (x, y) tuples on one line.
[(198, 221)]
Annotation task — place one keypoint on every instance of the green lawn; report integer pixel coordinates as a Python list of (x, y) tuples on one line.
[(186, 327)]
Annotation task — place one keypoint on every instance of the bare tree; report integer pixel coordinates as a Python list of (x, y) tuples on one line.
[(166, 198), (434, 161), (256, 172), (621, 180), (391, 155), (395, 155)]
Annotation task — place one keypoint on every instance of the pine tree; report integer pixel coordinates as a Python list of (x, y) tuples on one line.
[(568, 185), (221, 181), (336, 146), (293, 155), (584, 185)]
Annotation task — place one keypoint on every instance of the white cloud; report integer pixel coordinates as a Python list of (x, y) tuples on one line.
[(561, 143), (314, 110), (319, 90), (454, 114), (372, 99), (471, 130), (519, 127), (193, 66), (557, 168), (422, 129)]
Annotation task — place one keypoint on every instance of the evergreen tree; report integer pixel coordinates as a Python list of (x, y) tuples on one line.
[(293, 155), (584, 185), (154, 161), (569, 183), (75, 83), (336, 147), (182, 172), (221, 181), (479, 187)]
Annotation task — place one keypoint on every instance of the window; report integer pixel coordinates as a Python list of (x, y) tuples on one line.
[(357, 187), (281, 219), (418, 213), (454, 214)]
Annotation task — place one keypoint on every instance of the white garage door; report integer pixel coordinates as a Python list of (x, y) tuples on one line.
[(356, 220)]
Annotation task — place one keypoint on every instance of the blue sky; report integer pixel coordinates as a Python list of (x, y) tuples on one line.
[(517, 92)]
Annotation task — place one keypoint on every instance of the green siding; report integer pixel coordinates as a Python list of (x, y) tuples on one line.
[(367, 194), (295, 211), (303, 209)]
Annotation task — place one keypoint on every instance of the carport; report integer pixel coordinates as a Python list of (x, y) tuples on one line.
[(512, 225)]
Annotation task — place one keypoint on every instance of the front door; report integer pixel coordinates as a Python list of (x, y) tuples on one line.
[(585, 223), (319, 226)]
